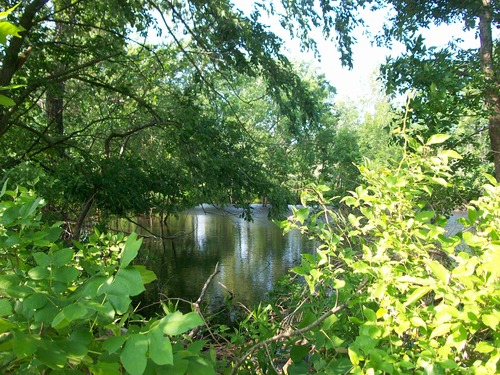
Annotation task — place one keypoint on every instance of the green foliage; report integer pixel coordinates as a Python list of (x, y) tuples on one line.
[(124, 126), (407, 296), (8, 29), (68, 308)]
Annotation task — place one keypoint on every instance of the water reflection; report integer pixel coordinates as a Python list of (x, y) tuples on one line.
[(251, 255)]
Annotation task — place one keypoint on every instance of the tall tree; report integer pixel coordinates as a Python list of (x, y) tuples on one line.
[(126, 125), (405, 18)]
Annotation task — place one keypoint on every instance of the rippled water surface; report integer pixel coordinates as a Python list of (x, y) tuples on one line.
[(251, 255)]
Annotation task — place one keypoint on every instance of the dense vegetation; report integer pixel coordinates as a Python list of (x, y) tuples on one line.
[(99, 124)]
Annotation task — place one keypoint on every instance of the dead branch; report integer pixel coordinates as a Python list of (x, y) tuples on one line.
[(196, 304), (290, 333)]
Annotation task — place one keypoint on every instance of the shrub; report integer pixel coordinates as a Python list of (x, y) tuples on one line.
[(67, 309), (388, 291)]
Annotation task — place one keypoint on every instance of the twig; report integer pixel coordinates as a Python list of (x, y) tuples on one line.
[(231, 293), (291, 333), (196, 305)]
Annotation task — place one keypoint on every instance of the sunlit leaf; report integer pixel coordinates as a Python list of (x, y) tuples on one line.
[(302, 214), (490, 320), (5, 101), (353, 356), (130, 250), (440, 330), (439, 271), (177, 323), (484, 347), (450, 154), (437, 139), (417, 294), (147, 276)]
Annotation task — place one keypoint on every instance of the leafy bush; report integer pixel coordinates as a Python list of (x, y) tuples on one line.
[(67, 309), (389, 291)]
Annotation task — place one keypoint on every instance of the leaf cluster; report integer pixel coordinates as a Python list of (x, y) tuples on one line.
[(67, 309), (407, 295)]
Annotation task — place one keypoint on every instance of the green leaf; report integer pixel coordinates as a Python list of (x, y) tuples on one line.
[(490, 320), (130, 250), (299, 352), (449, 363), (440, 330), (5, 101), (10, 215), (302, 214), (437, 139), (5, 307), (200, 366), (126, 282), (490, 178), (418, 322), (440, 181), (106, 368), (353, 356), (177, 323), (451, 154), (6, 13), (129, 278), (370, 314), (6, 325), (160, 348), (75, 311), (424, 216), (299, 271), (327, 323), (34, 302), (24, 345), (439, 271), (60, 321), (417, 294), (120, 303), (42, 259), (113, 343), (39, 273), (196, 346), (484, 347), (8, 281), (133, 355), (66, 274), (62, 257), (4, 188), (52, 355), (147, 276), (25, 212)]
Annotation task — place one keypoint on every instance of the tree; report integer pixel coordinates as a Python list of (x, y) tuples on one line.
[(340, 18), (94, 99)]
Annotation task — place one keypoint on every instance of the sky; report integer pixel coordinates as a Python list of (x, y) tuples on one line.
[(357, 83)]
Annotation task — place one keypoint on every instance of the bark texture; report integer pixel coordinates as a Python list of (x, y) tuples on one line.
[(491, 81)]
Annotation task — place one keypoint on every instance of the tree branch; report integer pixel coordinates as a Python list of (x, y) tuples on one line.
[(107, 142), (196, 305), (290, 333)]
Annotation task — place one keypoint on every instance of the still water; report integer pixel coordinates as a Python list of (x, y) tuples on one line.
[(251, 255)]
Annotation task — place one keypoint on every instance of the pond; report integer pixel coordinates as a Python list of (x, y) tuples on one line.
[(252, 256)]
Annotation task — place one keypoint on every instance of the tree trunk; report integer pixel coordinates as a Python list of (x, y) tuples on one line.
[(491, 82), (13, 58), (87, 207), (54, 105)]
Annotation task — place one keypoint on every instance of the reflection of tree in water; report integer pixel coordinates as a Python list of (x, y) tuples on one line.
[(252, 255)]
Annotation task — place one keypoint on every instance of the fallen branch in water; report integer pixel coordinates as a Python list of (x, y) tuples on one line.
[(290, 333), (196, 304)]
